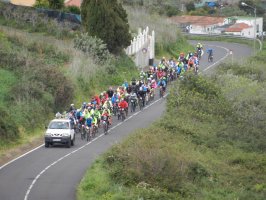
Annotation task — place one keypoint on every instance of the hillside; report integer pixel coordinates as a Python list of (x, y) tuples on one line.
[(209, 145), (42, 73)]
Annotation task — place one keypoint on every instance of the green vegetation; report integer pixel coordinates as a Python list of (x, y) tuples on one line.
[(210, 143), (28, 19), (32, 85), (224, 39), (168, 43), (44, 67), (106, 20)]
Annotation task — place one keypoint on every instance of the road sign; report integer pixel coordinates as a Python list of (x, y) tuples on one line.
[(144, 50)]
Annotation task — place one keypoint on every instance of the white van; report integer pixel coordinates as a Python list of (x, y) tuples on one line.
[(60, 131)]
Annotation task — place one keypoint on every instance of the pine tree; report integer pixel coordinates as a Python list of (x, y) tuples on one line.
[(56, 4), (107, 20)]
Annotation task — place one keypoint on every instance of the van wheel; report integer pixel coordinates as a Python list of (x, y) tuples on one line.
[(73, 141), (46, 144), (69, 143)]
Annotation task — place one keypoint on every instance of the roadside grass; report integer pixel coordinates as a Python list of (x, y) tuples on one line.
[(223, 39), (43, 70), (210, 144), (30, 20)]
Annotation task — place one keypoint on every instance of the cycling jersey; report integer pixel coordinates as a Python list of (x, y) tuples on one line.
[(123, 104)]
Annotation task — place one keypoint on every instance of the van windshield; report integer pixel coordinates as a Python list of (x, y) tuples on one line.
[(59, 125)]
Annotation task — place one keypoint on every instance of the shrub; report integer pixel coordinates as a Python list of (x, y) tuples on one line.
[(93, 46), (72, 9)]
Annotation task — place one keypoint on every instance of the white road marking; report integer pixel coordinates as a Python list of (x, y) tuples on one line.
[(21, 156), (55, 162), (227, 54), (74, 151)]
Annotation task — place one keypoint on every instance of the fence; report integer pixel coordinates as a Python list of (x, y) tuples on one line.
[(142, 48)]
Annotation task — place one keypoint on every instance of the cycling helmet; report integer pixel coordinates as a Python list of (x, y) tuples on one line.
[(58, 115)]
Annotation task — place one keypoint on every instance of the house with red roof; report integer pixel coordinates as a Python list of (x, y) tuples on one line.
[(73, 3), (199, 24), (240, 29), (242, 26), (245, 26)]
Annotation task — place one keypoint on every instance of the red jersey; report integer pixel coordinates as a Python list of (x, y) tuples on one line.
[(123, 104)]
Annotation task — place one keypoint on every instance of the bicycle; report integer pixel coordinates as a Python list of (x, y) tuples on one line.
[(105, 124), (82, 132), (161, 92), (133, 103), (140, 101), (88, 133), (210, 58)]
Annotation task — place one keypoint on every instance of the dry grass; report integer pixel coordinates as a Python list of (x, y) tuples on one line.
[(140, 17)]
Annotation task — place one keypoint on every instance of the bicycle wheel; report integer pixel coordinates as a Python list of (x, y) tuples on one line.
[(161, 93), (105, 128), (82, 133), (89, 134), (140, 104)]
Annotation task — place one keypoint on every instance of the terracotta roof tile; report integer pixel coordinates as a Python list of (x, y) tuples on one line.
[(238, 27), (197, 20), (73, 3)]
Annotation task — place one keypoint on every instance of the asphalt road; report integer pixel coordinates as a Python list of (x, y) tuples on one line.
[(54, 173)]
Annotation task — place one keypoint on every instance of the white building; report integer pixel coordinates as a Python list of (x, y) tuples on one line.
[(199, 24), (245, 26)]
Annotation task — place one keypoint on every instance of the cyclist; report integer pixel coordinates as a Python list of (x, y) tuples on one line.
[(97, 114), (58, 115), (110, 92), (199, 46), (106, 114), (123, 104), (88, 123), (72, 107), (142, 75), (162, 85), (210, 54)]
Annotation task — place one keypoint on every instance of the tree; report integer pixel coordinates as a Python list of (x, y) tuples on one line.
[(190, 6), (107, 20), (56, 4), (41, 4)]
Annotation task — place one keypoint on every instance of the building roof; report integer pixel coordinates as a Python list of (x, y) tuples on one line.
[(242, 17), (238, 27), (197, 20), (23, 2), (73, 3), (32, 2)]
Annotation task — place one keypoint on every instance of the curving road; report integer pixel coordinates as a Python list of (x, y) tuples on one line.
[(54, 173)]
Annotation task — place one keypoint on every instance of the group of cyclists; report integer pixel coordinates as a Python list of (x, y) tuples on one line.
[(117, 102)]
